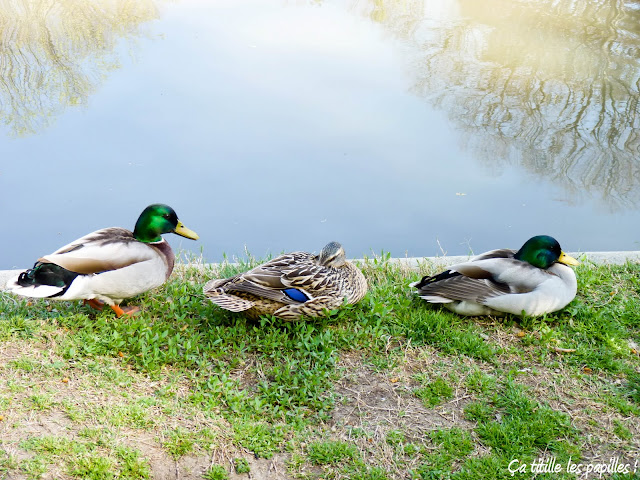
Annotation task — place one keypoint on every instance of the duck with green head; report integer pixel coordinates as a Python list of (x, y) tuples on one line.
[(534, 280), (108, 265)]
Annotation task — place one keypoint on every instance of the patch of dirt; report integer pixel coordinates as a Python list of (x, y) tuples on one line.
[(386, 402), (577, 397), (88, 391), (374, 404), (261, 469), (370, 405), (192, 467)]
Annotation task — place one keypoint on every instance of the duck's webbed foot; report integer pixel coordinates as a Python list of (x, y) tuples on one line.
[(129, 310), (94, 303)]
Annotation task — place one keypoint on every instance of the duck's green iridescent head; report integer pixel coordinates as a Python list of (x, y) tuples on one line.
[(542, 251), (332, 255), (157, 219)]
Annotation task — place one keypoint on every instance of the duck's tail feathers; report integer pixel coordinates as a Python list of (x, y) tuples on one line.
[(42, 281), (229, 302), (436, 299), (34, 291), (212, 285)]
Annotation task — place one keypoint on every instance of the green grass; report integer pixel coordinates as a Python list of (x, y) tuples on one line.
[(331, 452), (389, 386), (241, 465), (84, 458), (434, 392), (216, 472), (525, 427), (263, 439)]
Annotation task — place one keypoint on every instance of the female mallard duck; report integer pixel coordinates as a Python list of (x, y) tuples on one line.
[(108, 265), (292, 285), (534, 280)]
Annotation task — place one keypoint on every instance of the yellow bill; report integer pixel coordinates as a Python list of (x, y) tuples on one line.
[(185, 232), (567, 259)]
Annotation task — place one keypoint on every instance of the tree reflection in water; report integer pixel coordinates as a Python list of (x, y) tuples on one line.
[(55, 53), (552, 85)]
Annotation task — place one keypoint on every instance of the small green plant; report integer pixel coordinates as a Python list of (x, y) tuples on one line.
[(262, 439), (395, 437), (453, 442), (241, 465), (434, 392), (7, 461), (479, 411), (621, 431), (216, 472), (131, 464), (92, 467), (178, 443), (633, 387), (52, 446), (357, 432), (480, 382), (26, 364), (368, 473), (34, 467), (41, 402), (411, 449), (331, 452)]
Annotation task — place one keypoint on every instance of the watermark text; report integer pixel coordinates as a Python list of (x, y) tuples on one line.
[(552, 465)]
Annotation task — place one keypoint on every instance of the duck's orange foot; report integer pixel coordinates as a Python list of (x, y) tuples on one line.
[(129, 311), (97, 304)]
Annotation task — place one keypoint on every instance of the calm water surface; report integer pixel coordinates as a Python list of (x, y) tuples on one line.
[(416, 127)]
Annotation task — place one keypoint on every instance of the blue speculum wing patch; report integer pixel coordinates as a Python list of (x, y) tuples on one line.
[(295, 294)]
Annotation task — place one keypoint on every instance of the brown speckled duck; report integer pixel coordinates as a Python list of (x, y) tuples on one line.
[(292, 285)]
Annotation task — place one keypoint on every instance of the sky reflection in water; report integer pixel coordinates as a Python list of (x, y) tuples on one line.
[(282, 127)]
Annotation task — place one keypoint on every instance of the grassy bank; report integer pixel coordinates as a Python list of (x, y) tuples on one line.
[(388, 389)]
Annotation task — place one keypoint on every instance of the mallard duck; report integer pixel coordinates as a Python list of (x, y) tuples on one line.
[(108, 265), (292, 285), (534, 280)]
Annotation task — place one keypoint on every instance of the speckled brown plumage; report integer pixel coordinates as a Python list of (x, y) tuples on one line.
[(326, 281)]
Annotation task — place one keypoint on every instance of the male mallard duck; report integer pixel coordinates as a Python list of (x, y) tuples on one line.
[(108, 265), (292, 285), (534, 280)]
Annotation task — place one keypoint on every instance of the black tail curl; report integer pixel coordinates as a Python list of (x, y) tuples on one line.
[(436, 278), (47, 274)]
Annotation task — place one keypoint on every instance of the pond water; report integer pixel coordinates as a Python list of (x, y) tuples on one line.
[(417, 127)]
